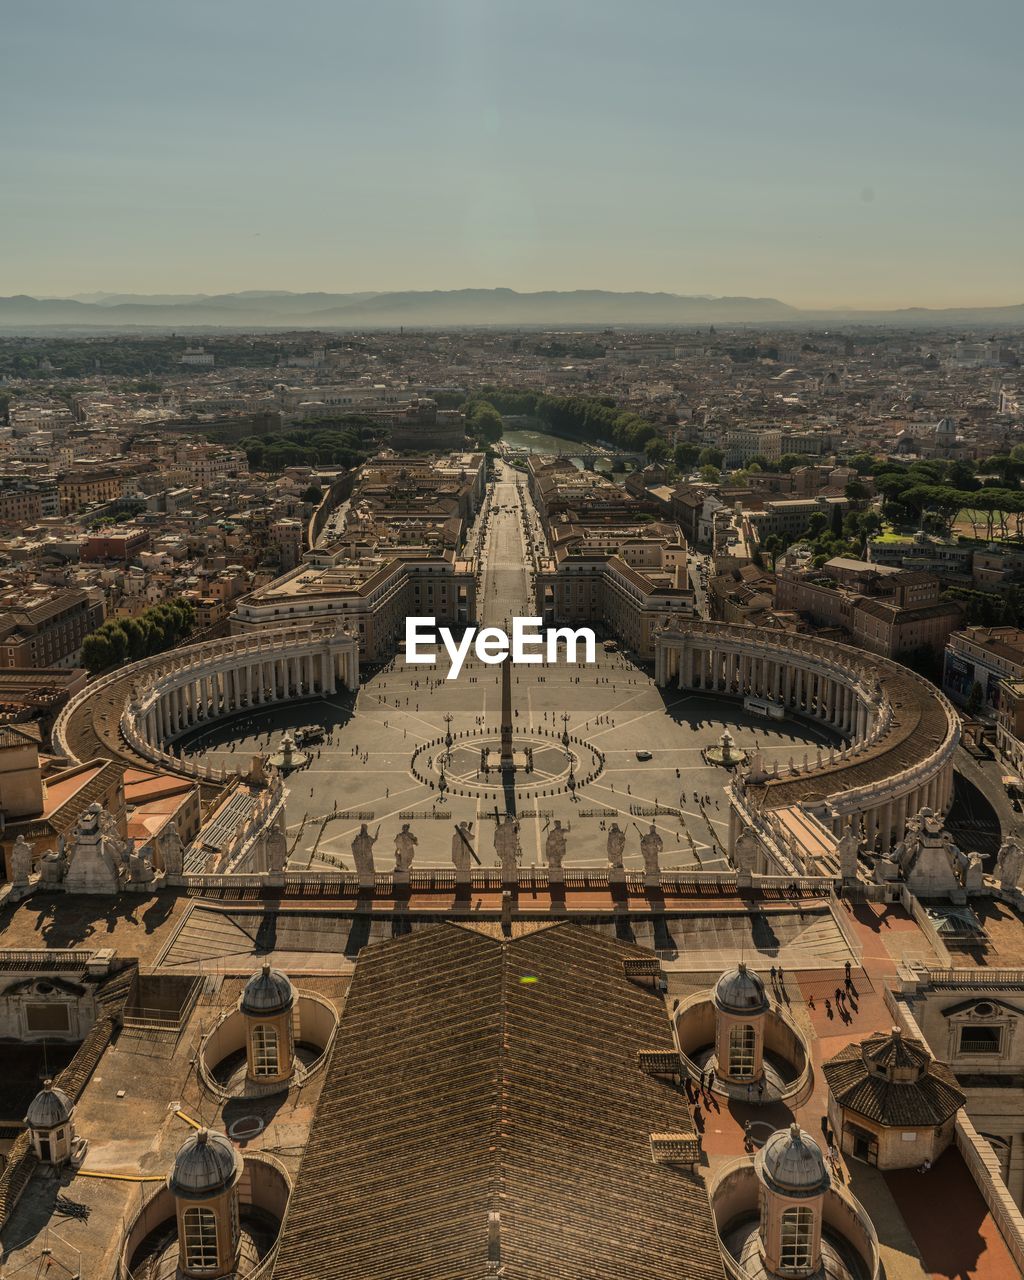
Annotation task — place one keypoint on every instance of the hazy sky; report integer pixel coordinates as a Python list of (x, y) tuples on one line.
[(823, 153)]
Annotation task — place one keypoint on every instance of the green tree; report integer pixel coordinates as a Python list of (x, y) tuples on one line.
[(656, 450), (483, 421), (686, 456), (773, 545), (711, 458), (862, 463), (97, 653)]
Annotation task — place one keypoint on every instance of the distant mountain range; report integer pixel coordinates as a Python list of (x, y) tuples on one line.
[(454, 308)]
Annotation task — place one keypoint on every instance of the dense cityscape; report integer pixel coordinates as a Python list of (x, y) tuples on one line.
[(765, 852), (511, 641)]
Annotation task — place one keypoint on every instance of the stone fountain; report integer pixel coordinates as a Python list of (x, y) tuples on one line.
[(725, 752), (289, 757)]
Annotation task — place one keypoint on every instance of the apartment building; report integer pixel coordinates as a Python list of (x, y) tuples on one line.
[(370, 597), (986, 656), (45, 627), (886, 611), (949, 561), (621, 580), (24, 503)]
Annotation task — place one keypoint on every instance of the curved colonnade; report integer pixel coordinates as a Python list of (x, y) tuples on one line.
[(175, 692), (899, 733)]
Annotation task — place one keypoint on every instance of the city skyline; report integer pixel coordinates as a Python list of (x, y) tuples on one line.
[(852, 160)]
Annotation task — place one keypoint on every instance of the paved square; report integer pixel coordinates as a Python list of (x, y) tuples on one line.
[(384, 747)]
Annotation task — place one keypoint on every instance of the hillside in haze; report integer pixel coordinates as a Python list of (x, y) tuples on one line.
[(452, 309)]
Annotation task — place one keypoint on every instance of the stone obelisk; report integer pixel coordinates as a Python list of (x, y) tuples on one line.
[(508, 760)]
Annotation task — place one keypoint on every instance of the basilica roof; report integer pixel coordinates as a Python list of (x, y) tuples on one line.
[(474, 1123)]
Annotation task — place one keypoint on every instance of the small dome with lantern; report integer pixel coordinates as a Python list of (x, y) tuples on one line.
[(49, 1108), (205, 1165), (267, 992), (791, 1163), (740, 990)]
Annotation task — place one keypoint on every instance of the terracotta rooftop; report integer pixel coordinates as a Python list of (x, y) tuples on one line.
[(472, 1123), (925, 1101)]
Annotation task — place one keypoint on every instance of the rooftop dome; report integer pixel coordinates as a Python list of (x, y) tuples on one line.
[(268, 991), (205, 1164), (740, 990), (791, 1163), (49, 1108)]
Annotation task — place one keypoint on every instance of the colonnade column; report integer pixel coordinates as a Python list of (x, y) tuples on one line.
[(887, 824), (901, 816)]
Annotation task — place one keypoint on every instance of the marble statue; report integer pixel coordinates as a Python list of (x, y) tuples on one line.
[(745, 851), (21, 862), (362, 850), (847, 849), (172, 850), (1010, 863), (277, 849), (140, 865), (616, 846), (930, 862), (405, 848), (118, 846), (554, 846), (462, 847), (97, 861), (506, 846), (651, 845)]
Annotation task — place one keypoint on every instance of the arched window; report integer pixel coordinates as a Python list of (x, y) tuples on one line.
[(264, 1051), (741, 1051), (200, 1238), (795, 1242)]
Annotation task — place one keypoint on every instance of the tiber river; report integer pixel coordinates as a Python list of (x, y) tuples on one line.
[(540, 442)]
